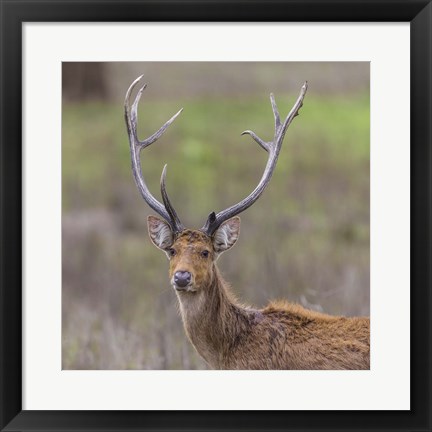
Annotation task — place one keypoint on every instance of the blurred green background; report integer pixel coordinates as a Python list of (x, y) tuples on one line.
[(305, 240)]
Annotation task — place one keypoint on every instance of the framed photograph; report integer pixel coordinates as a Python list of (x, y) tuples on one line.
[(134, 138)]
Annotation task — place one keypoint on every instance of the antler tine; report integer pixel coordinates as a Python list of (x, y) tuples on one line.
[(275, 112), (131, 118), (273, 148), (170, 209)]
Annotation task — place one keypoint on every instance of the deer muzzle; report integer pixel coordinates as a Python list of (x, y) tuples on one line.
[(181, 280)]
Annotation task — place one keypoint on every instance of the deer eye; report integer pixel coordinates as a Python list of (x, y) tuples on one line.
[(171, 252), (205, 253)]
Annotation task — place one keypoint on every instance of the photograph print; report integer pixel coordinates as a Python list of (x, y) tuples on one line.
[(216, 215)]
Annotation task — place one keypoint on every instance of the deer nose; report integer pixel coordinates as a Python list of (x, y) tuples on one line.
[(182, 278)]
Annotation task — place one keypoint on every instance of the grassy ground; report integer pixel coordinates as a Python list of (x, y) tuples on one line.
[(306, 239)]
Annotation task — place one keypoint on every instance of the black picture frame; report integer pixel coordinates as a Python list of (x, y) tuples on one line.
[(16, 12)]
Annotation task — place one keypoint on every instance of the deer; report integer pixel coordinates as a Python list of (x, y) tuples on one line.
[(225, 333)]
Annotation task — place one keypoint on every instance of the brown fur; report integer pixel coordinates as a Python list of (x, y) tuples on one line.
[(281, 336)]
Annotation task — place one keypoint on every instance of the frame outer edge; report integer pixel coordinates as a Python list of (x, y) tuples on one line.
[(10, 215), (421, 202), (10, 220)]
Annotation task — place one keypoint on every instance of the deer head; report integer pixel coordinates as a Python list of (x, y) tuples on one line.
[(193, 253)]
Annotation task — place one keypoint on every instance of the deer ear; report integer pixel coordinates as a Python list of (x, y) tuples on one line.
[(160, 232), (226, 235)]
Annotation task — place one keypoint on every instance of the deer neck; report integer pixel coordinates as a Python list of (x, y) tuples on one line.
[(213, 320)]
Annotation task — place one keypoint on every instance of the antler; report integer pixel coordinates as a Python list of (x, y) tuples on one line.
[(273, 148), (167, 210)]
